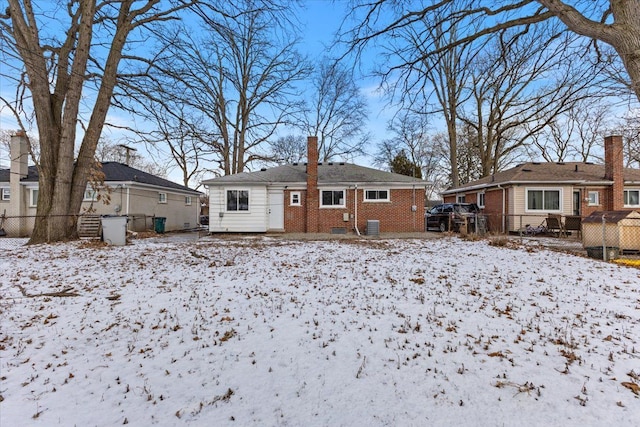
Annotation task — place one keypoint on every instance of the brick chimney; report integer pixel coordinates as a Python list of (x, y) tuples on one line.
[(313, 198), (613, 171)]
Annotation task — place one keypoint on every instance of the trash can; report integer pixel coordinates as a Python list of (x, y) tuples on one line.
[(114, 230), (158, 224), (596, 252)]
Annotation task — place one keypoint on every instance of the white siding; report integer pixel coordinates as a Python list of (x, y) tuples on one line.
[(518, 205), (253, 220), (145, 201)]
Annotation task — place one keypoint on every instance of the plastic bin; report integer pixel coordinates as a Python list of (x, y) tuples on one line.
[(158, 224), (114, 230), (612, 252)]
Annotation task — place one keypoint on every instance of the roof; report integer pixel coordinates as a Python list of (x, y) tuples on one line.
[(610, 217), (114, 172), (556, 173), (328, 173)]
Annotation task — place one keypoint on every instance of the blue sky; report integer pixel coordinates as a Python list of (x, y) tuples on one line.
[(319, 20)]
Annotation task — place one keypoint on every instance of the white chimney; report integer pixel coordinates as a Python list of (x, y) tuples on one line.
[(19, 154)]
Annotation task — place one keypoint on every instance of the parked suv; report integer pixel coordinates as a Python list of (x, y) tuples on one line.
[(452, 216)]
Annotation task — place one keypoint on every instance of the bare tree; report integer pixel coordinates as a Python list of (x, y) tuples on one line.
[(177, 139), (110, 151), (411, 137), (237, 73), (5, 148), (289, 149), (520, 83), (629, 128), (572, 135), (56, 52), (419, 79), (337, 113), (616, 23)]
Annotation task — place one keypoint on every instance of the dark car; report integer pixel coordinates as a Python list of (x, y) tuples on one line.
[(452, 216)]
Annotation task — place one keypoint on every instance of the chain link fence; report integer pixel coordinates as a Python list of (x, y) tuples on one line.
[(604, 235)]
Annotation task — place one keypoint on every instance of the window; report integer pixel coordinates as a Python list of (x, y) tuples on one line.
[(162, 197), (543, 200), (481, 200), (460, 198), (187, 200), (237, 200), (593, 198), (376, 195), (295, 198), (632, 198), (332, 198), (33, 197), (6, 193), (90, 195)]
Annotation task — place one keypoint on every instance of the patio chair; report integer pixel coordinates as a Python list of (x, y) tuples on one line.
[(573, 223), (555, 225)]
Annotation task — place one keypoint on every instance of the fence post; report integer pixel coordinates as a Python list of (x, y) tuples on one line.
[(604, 238)]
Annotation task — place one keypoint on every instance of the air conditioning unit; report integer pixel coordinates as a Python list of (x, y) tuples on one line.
[(373, 227)]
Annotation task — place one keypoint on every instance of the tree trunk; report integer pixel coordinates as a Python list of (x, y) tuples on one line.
[(623, 35)]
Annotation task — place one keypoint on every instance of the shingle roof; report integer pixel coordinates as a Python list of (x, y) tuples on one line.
[(114, 172), (328, 173), (610, 217), (534, 172)]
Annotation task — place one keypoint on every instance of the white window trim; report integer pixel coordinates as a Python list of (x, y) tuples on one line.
[(291, 202), (344, 199), (632, 189), (461, 198), (6, 193), (93, 198), (162, 199), (237, 211), (187, 201), (543, 189), (365, 199), (481, 205), (597, 198), (31, 203)]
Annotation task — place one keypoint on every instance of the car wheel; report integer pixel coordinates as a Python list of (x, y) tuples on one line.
[(443, 226)]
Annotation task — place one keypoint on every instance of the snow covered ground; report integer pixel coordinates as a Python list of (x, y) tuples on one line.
[(270, 332)]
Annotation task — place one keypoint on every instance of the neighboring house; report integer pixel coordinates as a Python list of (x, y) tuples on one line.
[(316, 198), (529, 192), (132, 192)]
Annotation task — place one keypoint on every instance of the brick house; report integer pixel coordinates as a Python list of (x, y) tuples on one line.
[(316, 198), (529, 192)]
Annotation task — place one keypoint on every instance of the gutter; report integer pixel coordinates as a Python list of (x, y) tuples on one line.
[(489, 185)]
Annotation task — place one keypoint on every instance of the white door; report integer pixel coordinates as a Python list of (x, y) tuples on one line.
[(276, 210)]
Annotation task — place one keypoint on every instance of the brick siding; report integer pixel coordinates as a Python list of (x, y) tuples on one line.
[(394, 216)]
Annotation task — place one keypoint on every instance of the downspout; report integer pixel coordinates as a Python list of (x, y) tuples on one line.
[(503, 207), (127, 211), (414, 207), (355, 198)]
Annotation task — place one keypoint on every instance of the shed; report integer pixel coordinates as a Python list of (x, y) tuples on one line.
[(621, 230)]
